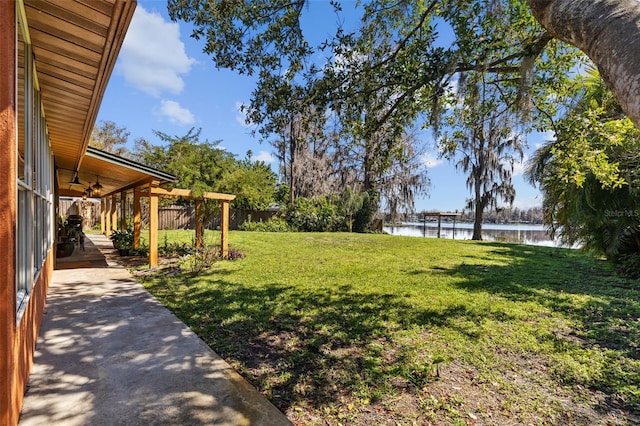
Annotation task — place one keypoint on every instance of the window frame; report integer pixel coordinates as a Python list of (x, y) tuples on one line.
[(34, 198)]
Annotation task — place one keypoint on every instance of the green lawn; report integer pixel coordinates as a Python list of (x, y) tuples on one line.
[(374, 329)]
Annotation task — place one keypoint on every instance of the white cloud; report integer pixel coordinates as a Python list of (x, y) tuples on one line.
[(265, 156), (176, 113), (431, 160), (152, 57)]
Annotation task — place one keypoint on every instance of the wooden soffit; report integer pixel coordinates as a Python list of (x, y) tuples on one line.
[(75, 44), (114, 173)]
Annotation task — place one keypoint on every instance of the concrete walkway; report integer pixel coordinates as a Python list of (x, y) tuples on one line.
[(109, 354)]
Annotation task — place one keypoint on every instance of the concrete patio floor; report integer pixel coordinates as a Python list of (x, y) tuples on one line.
[(109, 354)]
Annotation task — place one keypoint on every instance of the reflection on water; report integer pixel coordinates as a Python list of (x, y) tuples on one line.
[(523, 234)]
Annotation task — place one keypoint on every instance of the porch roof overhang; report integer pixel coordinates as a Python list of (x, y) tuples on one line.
[(75, 45), (116, 174)]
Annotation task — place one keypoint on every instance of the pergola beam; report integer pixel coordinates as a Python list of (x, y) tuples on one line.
[(187, 193)]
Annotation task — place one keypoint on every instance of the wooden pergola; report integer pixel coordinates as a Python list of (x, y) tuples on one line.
[(109, 215)]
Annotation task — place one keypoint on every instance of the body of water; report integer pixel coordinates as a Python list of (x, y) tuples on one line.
[(523, 234)]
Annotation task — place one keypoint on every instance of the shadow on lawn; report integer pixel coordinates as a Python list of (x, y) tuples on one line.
[(309, 346), (609, 307), (604, 308)]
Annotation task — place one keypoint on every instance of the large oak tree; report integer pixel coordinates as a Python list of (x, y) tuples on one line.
[(605, 30), (399, 64)]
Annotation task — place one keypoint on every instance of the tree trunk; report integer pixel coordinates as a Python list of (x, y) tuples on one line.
[(293, 181), (478, 214), (605, 30)]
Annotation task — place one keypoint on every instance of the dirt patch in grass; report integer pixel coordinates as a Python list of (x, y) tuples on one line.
[(457, 394)]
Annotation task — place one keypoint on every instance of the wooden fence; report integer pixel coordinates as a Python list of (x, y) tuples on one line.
[(88, 209), (183, 217), (169, 217)]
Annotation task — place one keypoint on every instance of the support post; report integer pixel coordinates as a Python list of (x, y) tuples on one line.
[(137, 226), (153, 229), (199, 227), (454, 228), (114, 214), (224, 229), (107, 213), (103, 208), (123, 211)]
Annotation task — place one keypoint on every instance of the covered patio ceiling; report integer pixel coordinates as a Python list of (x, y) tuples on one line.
[(76, 44), (114, 173)]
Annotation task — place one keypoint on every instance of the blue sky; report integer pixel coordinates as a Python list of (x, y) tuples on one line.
[(162, 81)]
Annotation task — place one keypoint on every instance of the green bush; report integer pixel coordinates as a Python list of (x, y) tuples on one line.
[(142, 251), (276, 224), (122, 240), (319, 214), (629, 265), (364, 216)]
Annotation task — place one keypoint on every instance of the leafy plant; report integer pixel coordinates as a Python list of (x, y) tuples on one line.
[(589, 175), (142, 251), (122, 240)]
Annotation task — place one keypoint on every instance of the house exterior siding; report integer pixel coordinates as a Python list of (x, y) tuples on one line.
[(8, 135), (24, 279)]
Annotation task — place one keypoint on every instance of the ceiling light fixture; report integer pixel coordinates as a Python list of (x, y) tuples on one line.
[(97, 188), (75, 180), (89, 190)]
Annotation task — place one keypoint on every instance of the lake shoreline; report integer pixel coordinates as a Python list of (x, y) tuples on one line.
[(510, 233)]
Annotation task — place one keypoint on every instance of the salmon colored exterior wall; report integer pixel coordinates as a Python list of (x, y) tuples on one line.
[(17, 340), (26, 337), (8, 134)]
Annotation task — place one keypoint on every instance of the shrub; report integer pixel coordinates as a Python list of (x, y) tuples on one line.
[(200, 261), (319, 214), (629, 265), (364, 216), (142, 251), (276, 224), (122, 240)]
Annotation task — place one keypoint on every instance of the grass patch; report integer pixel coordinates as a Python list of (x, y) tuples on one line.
[(377, 329)]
